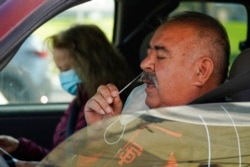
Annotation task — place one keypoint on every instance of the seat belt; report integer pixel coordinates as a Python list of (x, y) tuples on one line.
[(73, 116), (234, 85)]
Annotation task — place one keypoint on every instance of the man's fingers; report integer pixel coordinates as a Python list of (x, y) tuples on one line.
[(93, 106), (100, 104), (105, 93), (113, 90), (105, 103)]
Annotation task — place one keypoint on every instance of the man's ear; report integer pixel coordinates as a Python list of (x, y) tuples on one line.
[(203, 69)]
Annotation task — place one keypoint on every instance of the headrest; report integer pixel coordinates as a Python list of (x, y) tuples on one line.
[(241, 65)]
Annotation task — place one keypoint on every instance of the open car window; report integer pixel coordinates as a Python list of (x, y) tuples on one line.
[(31, 76)]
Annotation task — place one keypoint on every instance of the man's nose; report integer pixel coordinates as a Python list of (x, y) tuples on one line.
[(147, 63)]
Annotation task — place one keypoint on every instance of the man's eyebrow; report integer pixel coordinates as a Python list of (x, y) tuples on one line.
[(158, 47)]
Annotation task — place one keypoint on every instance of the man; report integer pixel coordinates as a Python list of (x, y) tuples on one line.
[(188, 56)]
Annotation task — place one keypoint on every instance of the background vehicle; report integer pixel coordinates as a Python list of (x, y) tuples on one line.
[(127, 25), (25, 78)]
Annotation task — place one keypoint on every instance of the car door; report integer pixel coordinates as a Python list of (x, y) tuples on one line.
[(31, 98)]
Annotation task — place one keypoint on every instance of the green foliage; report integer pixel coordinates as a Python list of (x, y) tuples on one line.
[(58, 24), (237, 32)]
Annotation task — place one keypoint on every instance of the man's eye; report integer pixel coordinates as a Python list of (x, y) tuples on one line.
[(161, 57)]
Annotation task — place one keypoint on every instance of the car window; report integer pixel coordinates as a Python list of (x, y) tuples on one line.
[(31, 76), (232, 16)]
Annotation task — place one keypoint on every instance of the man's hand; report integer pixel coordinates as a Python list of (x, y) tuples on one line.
[(8, 143), (105, 103)]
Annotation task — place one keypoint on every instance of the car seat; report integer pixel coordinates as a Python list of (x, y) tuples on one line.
[(240, 65), (237, 87)]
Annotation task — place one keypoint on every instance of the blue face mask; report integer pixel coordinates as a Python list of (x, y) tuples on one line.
[(69, 80)]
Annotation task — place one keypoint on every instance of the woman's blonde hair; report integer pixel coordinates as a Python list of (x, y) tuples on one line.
[(94, 58)]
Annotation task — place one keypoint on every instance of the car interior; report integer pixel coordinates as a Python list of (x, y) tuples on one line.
[(133, 24), (240, 66)]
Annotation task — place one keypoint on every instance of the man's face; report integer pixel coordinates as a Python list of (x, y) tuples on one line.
[(170, 58)]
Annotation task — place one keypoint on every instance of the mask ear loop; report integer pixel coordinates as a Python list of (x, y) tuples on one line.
[(140, 76), (122, 133)]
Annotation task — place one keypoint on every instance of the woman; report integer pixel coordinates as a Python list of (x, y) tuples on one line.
[(86, 59)]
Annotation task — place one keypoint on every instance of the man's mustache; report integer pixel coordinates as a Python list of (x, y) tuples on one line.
[(149, 77)]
